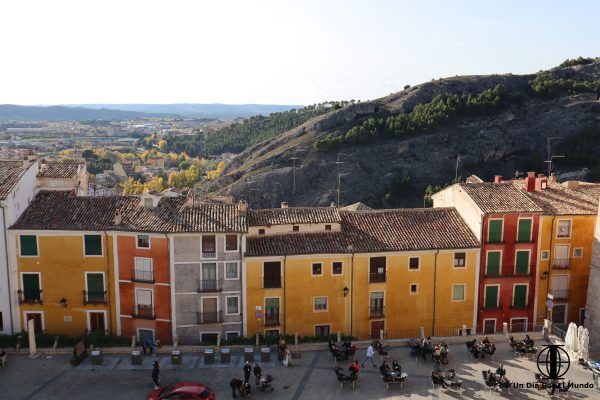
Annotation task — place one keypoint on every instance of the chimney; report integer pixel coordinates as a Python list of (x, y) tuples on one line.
[(189, 201), (73, 192), (497, 178), (541, 182), (243, 208), (117, 216), (530, 182), (552, 179), (284, 204)]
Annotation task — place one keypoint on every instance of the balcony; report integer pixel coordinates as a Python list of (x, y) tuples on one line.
[(519, 307), (494, 241), (561, 263), (30, 297), (143, 276), (376, 312), (94, 297), (560, 294), (143, 312), (209, 285), (209, 254), (272, 284), (272, 318), (492, 308), (513, 275), (209, 317), (376, 277)]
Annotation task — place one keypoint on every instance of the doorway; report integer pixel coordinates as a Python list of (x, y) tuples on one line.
[(376, 327), (146, 335), (37, 321), (96, 321), (209, 310)]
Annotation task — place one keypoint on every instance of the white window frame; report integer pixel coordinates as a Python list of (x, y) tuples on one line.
[(515, 263), (526, 293), (101, 244), (237, 243), (312, 264), (137, 332), (39, 274), (566, 306), (410, 288), (103, 280), (501, 230), (485, 294), (575, 251), (25, 313), (236, 332), (314, 301), (315, 328), (464, 286), (418, 261), (530, 229), (487, 259), (202, 248), (512, 319), (227, 305), (202, 269), (151, 297), (137, 242), (342, 272), (570, 221), (490, 319), (454, 260), (262, 278), (237, 263), (135, 263), (37, 246), (88, 320), (218, 306), (545, 255)]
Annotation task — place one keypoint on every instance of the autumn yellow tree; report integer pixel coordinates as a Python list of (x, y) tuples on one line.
[(132, 186), (156, 183), (214, 174), (162, 145)]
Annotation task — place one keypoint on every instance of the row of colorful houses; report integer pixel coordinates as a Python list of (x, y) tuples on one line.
[(165, 266)]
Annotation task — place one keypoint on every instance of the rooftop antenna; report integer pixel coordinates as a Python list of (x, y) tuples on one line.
[(548, 161), (338, 162), (456, 170)]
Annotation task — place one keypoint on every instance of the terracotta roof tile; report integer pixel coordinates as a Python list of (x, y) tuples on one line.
[(499, 198), (556, 200), (293, 215), (59, 169), (297, 243), (10, 174)]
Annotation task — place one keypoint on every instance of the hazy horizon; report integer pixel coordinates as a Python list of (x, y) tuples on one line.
[(274, 52)]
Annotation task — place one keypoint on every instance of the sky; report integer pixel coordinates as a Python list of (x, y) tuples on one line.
[(274, 52)]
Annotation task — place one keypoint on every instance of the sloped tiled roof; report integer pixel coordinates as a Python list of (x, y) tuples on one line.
[(293, 215), (58, 210), (499, 198), (10, 173), (59, 169), (407, 229), (356, 207), (297, 243), (556, 200), (590, 190)]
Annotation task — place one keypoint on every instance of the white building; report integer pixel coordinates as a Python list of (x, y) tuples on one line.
[(17, 190)]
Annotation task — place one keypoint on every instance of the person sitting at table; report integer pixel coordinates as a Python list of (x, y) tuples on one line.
[(485, 340), (385, 370), (500, 371), (438, 378), (490, 379), (437, 351), (528, 341), (396, 367)]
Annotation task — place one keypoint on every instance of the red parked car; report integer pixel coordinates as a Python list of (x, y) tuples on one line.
[(182, 390)]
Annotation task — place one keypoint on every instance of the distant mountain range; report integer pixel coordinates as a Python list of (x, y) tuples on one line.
[(113, 112), (217, 110)]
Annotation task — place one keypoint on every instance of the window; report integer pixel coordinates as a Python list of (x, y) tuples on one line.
[(231, 270), (320, 304), (413, 288), (31, 288), (231, 242), (143, 297), (233, 305), (377, 269), (491, 297), (459, 260), (95, 287), (296, 228), (458, 292), (327, 227), (545, 255), (209, 338), (495, 231), (522, 262), (93, 245), (271, 311), (231, 335), (272, 274), (578, 252), (261, 231), (321, 330), (143, 270), (520, 296), (28, 245), (317, 269), (209, 246), (143, 241), (524, 230), (518, 325), (336, 268), (413, 263), (493, 263), (563, 229), (376, 304)]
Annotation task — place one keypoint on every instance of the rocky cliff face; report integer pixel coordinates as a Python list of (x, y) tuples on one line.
[(511, 139)]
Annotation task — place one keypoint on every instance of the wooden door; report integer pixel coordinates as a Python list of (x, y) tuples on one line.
[(209, 310), (97, 322), (37, 321), (376, 326)]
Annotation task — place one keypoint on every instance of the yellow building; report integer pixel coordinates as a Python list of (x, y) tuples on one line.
[(317, 271), (565, 245)]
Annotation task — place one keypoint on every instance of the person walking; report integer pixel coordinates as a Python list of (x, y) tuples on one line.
[(257, 373), (369, 356), (247, 371), (155, 373)]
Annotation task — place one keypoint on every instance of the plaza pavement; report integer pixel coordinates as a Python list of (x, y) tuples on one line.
[(311, 377)]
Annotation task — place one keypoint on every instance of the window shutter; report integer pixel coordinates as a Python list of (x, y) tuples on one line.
[(524, 234), (491, 296), (28, 245), (143, 297), (143, 264), (493, 263), (95, 283), (520, 299), (271, 303), (495, 232), (522, 262), (93, 245)]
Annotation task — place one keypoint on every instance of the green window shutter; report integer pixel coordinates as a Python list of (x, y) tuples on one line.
[(491, 296), (520, 299), (522, 266), (28, 245), (95, 283), (495, 232), (493, 263), (93, 245), (31, 286), (524, 234), (271, 303)]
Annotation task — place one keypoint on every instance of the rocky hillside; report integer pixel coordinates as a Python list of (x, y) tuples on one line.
[(411, 139)]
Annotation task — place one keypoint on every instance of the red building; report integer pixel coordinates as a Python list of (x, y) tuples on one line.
[(144, 290), (506, 221)]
